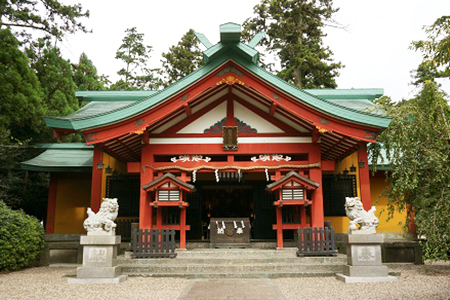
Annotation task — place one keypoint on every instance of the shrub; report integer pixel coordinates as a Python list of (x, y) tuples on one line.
[(21, 238)]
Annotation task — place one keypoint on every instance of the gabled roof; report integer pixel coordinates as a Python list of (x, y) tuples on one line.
[(168, 176), (228, 49), (292, 175), (61, 158)]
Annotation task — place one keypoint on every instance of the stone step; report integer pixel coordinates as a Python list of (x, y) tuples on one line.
[(227, 268), (237, 253), (237, 275), (340, 259)]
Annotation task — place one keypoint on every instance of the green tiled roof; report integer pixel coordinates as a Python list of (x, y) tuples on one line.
[(349, 105), (61, 158)]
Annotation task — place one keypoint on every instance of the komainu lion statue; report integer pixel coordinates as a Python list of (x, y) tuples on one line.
[(103, 221), (357, 215)]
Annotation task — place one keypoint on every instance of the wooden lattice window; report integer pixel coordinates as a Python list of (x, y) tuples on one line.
[(293, 194), (169, 195)]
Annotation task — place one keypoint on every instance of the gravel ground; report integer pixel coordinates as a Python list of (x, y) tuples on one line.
[(51, 283), (415, 282)]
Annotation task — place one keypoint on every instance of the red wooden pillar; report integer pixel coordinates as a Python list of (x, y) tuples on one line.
[(183, 228), (145, 211), (51, 207), (279, 228), (315, 174), (303, 216), (96, 187), (364, 178), (159, 217)]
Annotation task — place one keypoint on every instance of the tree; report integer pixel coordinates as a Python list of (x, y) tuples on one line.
[(21, 107), (294, 34), (435, 52), (47, 16), (135, 55), (181, 59), (85, 75), (55, 76), (417, 144)]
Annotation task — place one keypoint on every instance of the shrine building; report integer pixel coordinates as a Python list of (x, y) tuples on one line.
[(228, 141)]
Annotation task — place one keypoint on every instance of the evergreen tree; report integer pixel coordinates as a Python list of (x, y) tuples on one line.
[(135, 55), (21, 107), (55, 76), (85, 75), (294, 34), (435, 52), (417, 144), (181, 59), (49, 17)]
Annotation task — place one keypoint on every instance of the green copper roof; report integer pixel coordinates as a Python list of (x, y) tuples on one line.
[(346, 94), (332, 102), (112, 95), (230, 33), (256, 39), (203, 39), (61, 158)]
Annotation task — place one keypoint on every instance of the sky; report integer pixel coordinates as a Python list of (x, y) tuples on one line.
[(373, 47)]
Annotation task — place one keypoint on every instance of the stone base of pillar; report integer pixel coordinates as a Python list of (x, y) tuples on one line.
[(364, 260), (351, 279), (114, 280), (99, 260)]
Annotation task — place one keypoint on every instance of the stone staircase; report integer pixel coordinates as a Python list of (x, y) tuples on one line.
[(234, 263)]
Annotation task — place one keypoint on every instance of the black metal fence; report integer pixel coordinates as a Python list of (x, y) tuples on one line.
[(153, 243), (316, 242)]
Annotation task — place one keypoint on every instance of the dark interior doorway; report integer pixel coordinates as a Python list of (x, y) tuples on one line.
[(228, 202)]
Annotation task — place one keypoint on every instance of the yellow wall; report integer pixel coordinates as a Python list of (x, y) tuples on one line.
[(73, 195), (115, 165), (377, 184), (340, 224), (347, 163)]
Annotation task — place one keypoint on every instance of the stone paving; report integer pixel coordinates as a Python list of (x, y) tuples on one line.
[(229, 289)]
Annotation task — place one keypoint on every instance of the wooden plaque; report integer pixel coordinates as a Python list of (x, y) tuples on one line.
[(230, 138)]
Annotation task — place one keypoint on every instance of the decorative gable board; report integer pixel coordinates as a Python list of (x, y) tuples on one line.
[(207, 120), (292, 183), (251, 101), (208, 101), (255, 121), (169, 124), (290, 123)]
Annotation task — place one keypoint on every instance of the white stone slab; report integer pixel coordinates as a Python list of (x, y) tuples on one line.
[(115, 280), (349, 279)]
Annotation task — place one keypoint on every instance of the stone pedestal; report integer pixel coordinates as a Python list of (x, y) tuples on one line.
[(99, 260), (364, 259)]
